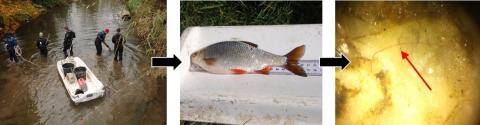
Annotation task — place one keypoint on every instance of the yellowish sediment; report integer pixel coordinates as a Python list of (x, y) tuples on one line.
[(381, 88)]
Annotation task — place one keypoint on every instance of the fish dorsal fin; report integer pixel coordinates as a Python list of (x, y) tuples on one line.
[(250, 43)]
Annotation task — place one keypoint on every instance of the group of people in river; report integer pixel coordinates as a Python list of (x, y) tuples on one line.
[(10, 44)]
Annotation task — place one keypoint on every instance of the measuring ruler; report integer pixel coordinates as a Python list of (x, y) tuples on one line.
[(311, 67)]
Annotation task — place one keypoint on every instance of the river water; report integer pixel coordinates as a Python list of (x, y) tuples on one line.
[(34, 93)]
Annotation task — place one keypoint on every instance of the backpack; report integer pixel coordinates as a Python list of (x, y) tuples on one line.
[(43, 43), (11, 42)]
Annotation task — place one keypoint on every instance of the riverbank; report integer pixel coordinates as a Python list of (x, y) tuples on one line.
[(15, 13), (148, 22)]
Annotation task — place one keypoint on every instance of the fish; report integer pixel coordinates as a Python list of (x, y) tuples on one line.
[(243, 57)]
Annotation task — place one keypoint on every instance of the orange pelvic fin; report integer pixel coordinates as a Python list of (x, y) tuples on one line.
[(265, 70), (238, 71)]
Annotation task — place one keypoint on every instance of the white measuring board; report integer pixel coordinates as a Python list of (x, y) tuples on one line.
[(277, 98), (311, 67)]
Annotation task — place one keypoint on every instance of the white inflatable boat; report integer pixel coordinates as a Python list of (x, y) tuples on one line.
[(81, 84)]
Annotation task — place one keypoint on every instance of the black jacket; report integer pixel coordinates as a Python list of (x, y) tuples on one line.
[(69, 35), (118, 40), (42, 43)]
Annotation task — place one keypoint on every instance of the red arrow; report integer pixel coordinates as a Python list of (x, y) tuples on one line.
[(405, 56)]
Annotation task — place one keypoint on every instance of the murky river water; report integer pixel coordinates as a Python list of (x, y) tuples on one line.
[(32, 94)]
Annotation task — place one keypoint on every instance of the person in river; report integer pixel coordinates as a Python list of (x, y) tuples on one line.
[(101, 39), (42, 43), (118, 41), (11, 43), (68, 41), (4, 42)]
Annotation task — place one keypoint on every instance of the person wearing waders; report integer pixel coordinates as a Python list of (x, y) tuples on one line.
[(101, 39), (118, 41), (11, 43), (67, 41), (42, 44), (4, 41)]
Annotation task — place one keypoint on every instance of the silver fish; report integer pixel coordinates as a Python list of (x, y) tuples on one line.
[(240, 57)]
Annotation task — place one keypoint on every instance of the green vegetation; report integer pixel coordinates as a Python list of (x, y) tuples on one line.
[(133, 4), (49, 3), (148, 23), (210, 13)]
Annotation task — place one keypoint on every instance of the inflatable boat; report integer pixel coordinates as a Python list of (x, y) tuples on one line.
[(81, 84)]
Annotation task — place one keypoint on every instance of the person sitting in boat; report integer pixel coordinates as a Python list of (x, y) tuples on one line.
[(11, 43), (42, 44), (101, 39), (118, 41), (68, 41)]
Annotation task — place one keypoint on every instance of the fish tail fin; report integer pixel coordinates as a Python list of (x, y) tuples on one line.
[(292, 61), (296, 53)]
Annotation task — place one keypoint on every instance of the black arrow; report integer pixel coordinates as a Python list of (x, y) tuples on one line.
[(165, 61), (337, 61)]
